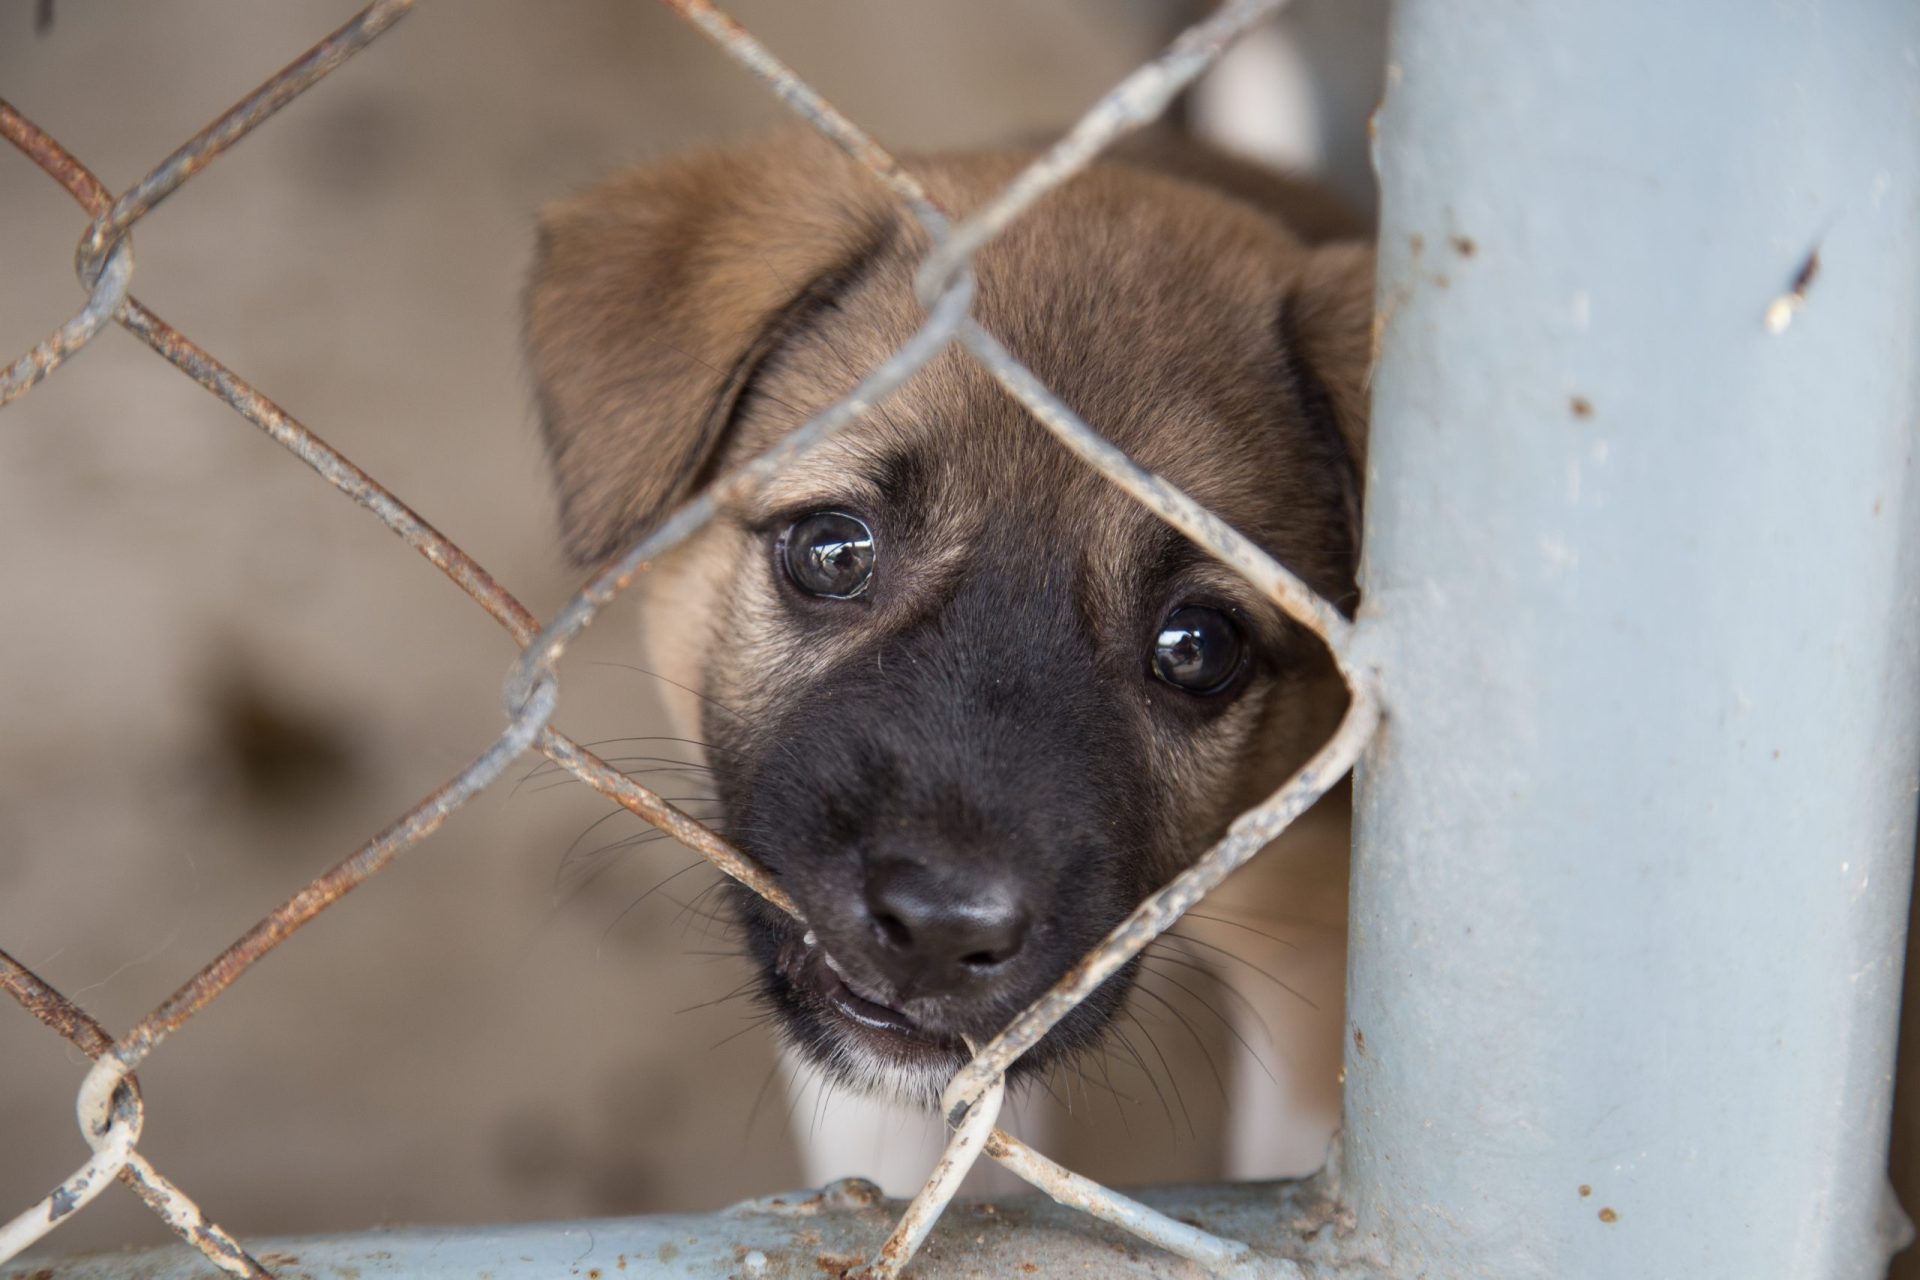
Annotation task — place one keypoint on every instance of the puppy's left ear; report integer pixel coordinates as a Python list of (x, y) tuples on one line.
[(1326, 325), (654, 300)]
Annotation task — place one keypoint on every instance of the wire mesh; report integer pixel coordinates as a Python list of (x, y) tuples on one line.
[(109, 1106)]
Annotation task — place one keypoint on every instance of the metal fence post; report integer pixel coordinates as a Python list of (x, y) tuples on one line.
[(1634, 846)]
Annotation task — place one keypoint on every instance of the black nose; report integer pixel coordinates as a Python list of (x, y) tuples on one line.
[(938, 930)]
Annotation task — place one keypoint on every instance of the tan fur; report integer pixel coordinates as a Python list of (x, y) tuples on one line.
[(1195, 295)]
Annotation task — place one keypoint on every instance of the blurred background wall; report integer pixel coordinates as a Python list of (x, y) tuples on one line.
[(218, 677)]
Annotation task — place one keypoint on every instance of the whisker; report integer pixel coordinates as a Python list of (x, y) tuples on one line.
[(664, 764), (553, 766), (821, 1096), (660, 737), (1166, 1068), (759, 1097), (628, 909), (567, 893), (734, 994), (599, 852), (1046, 1083), (690, 909), (564, 897), (1223, 1019), (592, 827), (1213, 1068), (712, 702), (799, 1091), (754, 1025), (718, 913), (1234, 993), (1106, 1073), (1181, 937), (1140, 1062), (570, 780), (1235, 924)]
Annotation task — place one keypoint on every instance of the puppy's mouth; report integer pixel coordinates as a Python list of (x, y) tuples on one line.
[(815, 976)]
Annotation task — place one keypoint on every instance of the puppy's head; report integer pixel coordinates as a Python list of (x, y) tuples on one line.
[(966, 700)]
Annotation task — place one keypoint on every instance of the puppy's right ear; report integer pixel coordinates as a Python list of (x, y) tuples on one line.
[(1328, 318), (654, 300)]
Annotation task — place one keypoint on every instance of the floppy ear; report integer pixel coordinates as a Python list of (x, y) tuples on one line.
[(655, 298), (1326, 325)]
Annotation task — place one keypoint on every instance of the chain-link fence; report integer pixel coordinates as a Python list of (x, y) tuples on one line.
[(109, 1103)]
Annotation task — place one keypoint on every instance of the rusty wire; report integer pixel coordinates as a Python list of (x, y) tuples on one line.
[(109, 1105), (175, 1209), (972, 1100)]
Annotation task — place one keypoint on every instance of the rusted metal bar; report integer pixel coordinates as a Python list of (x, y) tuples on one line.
[(1220, 1256), (174, 1206), (814, 109), (650, 807), (55, 160), (1250, 833), (108, 1100), (340, 472), (792, 1235), (329, 887), (972, 1120), (108, 1121), (106, 293), (933, 337), (54, 1010), (109, 290), (1138, 99), (106, 266), (204, 147), (533, 691), (1218, 538), (112, 1127)]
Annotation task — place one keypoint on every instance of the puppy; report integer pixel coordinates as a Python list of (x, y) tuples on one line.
[(965, 699)]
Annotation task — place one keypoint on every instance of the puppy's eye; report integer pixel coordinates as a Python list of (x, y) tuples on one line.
[(1197, 649), (829, 553)]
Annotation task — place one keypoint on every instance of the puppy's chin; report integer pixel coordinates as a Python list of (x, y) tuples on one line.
[(863, 1042), (905, 1054)]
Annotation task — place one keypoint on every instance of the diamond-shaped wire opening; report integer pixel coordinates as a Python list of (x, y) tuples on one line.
[(109, 1105)]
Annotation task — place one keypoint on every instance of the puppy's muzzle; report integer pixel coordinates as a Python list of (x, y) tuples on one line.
[(955, 814), (937, 931)]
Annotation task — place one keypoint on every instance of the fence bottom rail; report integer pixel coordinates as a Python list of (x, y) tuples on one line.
[(1295, 1229)]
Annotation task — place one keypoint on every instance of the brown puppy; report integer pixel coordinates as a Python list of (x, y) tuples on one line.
[(968, 701)]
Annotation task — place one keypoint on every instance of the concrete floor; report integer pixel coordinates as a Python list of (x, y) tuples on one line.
[(221, 676)]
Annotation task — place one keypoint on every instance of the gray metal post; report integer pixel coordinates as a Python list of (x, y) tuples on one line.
[(1634, 847)]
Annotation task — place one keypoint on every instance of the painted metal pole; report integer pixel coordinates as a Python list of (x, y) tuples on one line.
[(1635, 844)]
